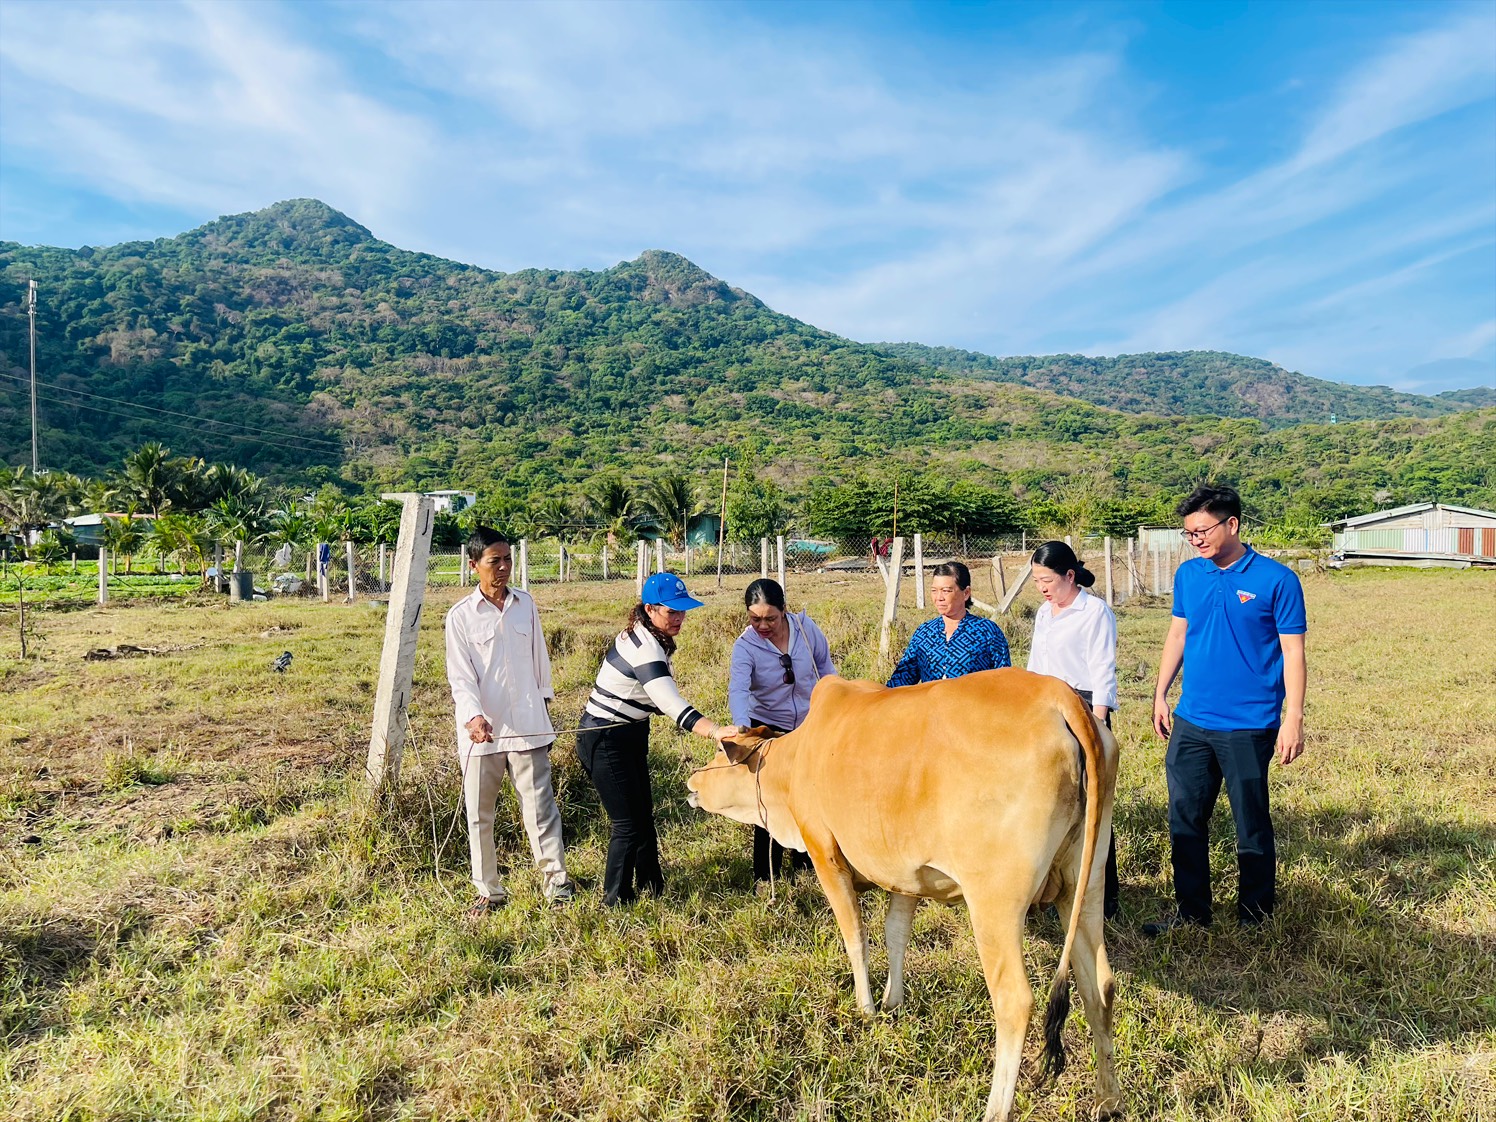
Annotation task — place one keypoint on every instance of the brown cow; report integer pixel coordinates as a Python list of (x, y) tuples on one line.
[(995, 788)]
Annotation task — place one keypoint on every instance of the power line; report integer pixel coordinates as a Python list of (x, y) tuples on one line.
[(176, 413), (185, 428)]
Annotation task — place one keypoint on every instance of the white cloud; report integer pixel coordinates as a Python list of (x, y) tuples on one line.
[(207, 106), (1015, 208)]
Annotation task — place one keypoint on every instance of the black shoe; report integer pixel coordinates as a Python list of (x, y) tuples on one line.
[(1172, 923)]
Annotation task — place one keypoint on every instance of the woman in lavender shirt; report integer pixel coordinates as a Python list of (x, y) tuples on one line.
[(776, 662)]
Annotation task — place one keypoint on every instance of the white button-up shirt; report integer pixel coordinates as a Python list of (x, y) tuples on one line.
[(1078, 646), (498, 668)]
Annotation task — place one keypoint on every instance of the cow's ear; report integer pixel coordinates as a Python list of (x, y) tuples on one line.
[(739, 750)]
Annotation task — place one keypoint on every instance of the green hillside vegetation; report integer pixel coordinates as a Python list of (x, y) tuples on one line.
[(1190, 382), (293, 342)]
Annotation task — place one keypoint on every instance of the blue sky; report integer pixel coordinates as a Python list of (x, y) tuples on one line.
[(1310, 183)]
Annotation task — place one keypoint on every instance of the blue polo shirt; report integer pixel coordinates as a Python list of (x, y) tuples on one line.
[(1233, 662)]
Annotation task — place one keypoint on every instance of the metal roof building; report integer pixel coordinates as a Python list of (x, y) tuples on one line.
[(1420, 534)]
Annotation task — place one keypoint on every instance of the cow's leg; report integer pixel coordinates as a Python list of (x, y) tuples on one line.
[(841, 893), (997, 920), (896, 930), (1097, 985)]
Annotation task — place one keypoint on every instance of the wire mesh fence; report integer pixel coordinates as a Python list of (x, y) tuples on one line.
[(340, 571)]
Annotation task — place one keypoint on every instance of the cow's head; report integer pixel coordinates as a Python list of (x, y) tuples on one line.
[(730, 785)]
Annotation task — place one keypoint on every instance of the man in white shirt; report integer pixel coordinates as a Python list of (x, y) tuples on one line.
[(500, 676)]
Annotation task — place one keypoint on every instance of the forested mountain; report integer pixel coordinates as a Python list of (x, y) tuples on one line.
[(1185, 383), (294, 342)]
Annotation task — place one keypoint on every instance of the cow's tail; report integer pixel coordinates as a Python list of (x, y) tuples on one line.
[(1093, 759)]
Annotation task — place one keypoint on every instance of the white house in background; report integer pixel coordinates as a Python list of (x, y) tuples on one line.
[(452, 502), (1423, 534)]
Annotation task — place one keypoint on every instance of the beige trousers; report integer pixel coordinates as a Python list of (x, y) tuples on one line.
[(530, 772)]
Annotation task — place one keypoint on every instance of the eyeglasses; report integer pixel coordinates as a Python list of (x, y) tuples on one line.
[(789, 669), (1201, 535)]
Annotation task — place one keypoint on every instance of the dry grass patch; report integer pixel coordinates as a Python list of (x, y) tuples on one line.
[(200, 919)]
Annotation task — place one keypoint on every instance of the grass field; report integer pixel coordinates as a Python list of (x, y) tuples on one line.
[(199, 918)]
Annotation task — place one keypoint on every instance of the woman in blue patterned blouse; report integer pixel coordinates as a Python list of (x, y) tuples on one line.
[(955, 642)]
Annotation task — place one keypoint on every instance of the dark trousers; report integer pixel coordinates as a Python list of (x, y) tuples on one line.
[(768, 854), (617, 762), (1111, 900), (1197, 763)]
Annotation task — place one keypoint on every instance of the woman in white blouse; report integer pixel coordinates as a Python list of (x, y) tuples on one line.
[(1075, 640)]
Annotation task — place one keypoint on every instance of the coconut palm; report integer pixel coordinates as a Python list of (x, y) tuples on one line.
[(30, 503), (155, 477), (613, 505), (670, 501), (183, 537), (123, 536)]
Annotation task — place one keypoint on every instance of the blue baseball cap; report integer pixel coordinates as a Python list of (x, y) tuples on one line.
[(669, 590)]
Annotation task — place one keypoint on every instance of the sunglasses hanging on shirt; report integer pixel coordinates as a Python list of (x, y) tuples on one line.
[(789, 669)]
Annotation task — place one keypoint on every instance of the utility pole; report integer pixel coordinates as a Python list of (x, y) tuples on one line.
[(31, 314)]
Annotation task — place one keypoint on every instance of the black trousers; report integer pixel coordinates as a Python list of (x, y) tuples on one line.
[(1198, 762), (1111, 900), (617, 762), (768, 854)]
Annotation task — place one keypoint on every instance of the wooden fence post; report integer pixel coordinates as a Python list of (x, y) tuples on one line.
[(780, 540), (919, 571), (891, 595), (1002, 577), (351, 558), (397, 660), (103, 576), (1106, 552), (1157, 578)]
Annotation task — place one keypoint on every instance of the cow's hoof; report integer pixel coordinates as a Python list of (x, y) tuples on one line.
[(1106, 1109)]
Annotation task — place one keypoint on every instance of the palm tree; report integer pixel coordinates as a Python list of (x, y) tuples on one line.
[(122, 537), (31, 503), (154, 477), (612, 503), (184, 537), (671, 502)]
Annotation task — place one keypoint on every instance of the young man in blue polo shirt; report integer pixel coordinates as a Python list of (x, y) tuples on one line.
[(1238, 630)]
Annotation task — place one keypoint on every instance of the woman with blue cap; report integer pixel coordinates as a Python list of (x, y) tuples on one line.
[(635, 681)]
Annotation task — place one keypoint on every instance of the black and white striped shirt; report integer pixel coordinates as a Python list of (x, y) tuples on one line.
[(634, 681)]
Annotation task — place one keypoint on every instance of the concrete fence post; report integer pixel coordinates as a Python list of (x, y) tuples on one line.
[(780, 548), (659, 555), (1106, 552), (350, 559), (397, 660), (919, 571), (103, 576), (891, 595), (524, 564), (763, 557)]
